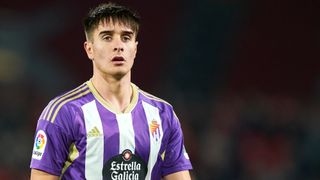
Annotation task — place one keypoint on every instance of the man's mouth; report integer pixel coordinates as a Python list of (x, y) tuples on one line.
[(117, 59)]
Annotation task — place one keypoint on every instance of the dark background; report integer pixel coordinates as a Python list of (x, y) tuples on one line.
[(243, 77)]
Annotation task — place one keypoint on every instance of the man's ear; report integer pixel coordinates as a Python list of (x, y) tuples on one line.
[(88, 48)]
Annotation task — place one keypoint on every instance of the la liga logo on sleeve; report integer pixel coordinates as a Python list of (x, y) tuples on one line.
[(39, 145)]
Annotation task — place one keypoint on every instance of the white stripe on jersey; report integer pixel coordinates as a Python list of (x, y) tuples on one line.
[(95, 144), (152, 114), (126, 132)]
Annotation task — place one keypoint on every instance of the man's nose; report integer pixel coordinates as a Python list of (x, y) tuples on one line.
[(118, 48), (118, 45)]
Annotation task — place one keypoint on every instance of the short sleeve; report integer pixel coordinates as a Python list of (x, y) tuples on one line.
[(176, 158), (51, 147)]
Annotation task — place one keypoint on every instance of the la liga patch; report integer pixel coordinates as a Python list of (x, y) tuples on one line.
[(40, 143)]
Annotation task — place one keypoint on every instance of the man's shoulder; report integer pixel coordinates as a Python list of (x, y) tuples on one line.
[(65, 102), (154, 100), (72, 95)]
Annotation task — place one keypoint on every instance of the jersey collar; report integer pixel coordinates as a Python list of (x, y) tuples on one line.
[(106, 104)]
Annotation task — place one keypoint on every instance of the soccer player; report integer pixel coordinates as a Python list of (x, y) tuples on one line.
[(108, 128)]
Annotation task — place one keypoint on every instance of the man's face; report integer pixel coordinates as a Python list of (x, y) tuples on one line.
[(112, 49)]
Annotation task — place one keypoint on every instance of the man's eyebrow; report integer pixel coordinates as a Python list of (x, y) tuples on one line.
[(127, 32), (111, 32), (106, 32)]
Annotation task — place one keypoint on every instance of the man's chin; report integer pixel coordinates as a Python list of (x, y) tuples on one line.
[(119, 75)]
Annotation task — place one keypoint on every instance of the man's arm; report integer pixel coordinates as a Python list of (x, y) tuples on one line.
[(41, 175), (181, 175)]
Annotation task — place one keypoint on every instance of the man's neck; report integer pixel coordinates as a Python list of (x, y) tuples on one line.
[(116, 92)]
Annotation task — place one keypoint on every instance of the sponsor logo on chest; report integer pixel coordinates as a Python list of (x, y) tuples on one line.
[(125, 166)]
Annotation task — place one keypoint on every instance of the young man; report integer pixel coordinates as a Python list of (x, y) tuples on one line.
[(108, 128)]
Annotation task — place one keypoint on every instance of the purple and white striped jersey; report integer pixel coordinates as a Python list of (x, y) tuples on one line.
[(79, 136)]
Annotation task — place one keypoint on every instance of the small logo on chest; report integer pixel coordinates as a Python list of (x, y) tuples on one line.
[(94, 132), (155, 129)]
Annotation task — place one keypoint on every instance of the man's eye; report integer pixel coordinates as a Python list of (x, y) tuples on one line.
[(126, 38), (108, 38)]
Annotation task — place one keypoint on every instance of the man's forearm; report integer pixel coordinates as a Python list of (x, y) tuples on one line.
[(181, 175), (41, 175)]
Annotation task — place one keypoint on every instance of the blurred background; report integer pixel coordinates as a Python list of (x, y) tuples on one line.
[(243, 76)]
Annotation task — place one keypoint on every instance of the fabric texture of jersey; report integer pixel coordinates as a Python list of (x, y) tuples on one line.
[(80, 136)]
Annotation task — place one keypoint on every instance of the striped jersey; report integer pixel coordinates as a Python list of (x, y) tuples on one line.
[(80, 136)]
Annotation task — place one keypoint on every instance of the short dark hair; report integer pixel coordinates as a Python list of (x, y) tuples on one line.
[(111, 11)]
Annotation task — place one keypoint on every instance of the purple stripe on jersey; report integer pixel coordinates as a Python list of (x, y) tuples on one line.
[(111, 132), (156, 172), (76, 169), (55, 107), (140, 126)]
